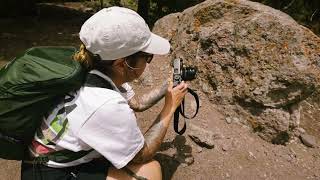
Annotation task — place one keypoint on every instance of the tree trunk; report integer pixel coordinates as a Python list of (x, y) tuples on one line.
[(143, 9), (117, 3)]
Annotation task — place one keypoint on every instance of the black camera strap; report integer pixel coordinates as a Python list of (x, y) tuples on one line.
[(181, 110)]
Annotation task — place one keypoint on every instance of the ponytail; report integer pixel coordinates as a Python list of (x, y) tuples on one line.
[(90, 61), (84, 57)]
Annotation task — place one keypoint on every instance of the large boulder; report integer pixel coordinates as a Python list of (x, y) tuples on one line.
[(256, 63)]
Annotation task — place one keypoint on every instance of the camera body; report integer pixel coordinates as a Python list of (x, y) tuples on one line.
[(181, 73)]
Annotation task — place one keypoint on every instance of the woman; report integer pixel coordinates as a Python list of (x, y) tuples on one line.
[(97, 121)]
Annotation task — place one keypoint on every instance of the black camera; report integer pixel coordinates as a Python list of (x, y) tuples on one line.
[(181, 73)]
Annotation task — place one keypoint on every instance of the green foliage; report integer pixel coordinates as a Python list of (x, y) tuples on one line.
[(132, 4), (160, 8)]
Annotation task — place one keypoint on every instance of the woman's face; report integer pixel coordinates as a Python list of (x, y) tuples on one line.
[(136, 64)]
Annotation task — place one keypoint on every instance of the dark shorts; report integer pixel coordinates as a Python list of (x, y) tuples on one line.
[(94, 170)]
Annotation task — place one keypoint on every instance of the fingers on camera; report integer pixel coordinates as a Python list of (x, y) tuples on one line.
[(181, 86)]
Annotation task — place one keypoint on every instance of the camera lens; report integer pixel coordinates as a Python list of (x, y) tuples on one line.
[(188, 73)]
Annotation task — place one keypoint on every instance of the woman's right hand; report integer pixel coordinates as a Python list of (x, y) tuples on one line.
[(174, 96)]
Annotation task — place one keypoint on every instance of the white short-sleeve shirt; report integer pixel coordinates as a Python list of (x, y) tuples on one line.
[(99, 119)]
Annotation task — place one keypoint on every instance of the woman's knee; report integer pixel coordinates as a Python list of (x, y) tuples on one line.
[(154, 164), (150, 170)]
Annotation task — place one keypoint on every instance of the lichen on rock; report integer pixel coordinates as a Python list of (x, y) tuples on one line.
[(251, 58)]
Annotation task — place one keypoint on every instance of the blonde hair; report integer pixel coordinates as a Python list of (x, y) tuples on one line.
[(84, 57)]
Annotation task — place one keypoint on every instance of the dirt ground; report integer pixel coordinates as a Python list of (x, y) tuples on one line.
[(237, 154)]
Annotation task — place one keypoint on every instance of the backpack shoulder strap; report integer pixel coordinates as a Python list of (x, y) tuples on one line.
[(94, 80)]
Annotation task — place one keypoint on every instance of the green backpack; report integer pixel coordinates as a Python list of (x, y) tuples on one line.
[(30, 86)]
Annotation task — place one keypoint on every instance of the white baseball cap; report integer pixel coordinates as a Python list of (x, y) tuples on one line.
[(118, 32)]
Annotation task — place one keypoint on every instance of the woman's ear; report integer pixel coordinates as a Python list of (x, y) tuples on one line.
[(119, 62), (119, 66)]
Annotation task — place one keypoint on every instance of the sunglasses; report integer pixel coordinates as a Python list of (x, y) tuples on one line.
[(147, 57)]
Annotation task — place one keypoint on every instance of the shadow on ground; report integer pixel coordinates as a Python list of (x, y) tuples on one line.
[(170, 164)]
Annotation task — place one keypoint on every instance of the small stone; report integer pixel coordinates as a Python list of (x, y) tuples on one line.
[(229, 120), (201, 137), (205, 88), (292, 141), (257, 91), (189, 160), (308, 140), (225, 147)]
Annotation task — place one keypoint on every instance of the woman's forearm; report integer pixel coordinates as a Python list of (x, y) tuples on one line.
[(143, 103), (154, 136)]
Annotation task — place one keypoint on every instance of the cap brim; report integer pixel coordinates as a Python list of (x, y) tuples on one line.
[(157, 45)]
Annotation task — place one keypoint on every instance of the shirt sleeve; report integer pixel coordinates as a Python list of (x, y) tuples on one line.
[(129, 93), (112, 130)]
